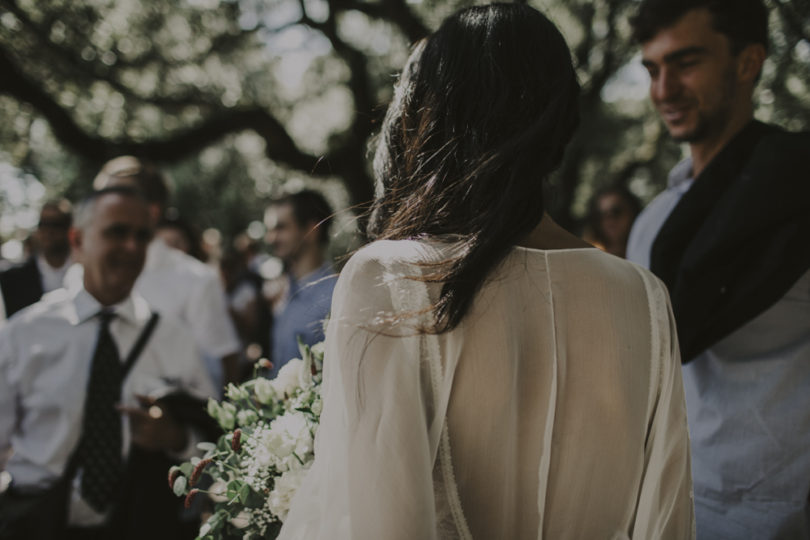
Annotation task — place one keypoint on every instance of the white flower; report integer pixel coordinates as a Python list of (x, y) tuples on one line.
[(264, 391), (283, 445), (278, 419), (289, 376), (318, 349), (279, 499), (246, 417), (317, 406)]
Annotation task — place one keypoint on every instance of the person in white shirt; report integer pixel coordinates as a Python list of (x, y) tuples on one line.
[(49, 356), (175, 283)]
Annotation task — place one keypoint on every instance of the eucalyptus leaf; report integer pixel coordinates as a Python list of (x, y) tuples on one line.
[(180, 484), (206, 446)]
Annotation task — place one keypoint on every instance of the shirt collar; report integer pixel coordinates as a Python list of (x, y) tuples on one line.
[(88, 307), (44, 266), (323, 271), (680, 173)]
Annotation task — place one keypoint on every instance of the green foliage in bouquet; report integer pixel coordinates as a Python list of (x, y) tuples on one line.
[(255, 468)]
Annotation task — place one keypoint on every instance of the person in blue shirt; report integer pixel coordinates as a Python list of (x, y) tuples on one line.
[(299, 235)]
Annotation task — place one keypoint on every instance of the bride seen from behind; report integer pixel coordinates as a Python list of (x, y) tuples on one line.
[(488, 374)]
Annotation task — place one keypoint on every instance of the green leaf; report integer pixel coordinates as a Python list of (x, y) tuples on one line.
[(206, 446), (179, 487), (244, 493), (254, 500)]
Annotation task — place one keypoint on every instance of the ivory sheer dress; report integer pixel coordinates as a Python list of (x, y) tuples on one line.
[(555, 410)]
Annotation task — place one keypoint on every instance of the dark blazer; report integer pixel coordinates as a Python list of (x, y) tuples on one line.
[(21, 286), (738, 239)]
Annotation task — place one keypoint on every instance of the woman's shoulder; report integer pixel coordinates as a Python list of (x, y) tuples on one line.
[(398, 254), (597, 268)]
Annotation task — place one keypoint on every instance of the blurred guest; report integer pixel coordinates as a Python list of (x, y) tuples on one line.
[(299, 235), (82, 374), (246, 305), (611, 213), (175, 283), (180, 234), (45, 269)]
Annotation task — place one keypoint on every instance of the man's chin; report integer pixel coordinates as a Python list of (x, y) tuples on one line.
[(683, 134)]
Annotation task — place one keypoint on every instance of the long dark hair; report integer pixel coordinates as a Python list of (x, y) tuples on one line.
[(481, 115)]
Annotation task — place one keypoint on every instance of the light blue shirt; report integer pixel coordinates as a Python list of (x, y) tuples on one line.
[(307, 305), (748, 404)]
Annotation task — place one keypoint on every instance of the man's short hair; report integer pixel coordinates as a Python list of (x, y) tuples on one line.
[(143, 174), (86, 208), (743, 22), (309, 206), (63, 208)]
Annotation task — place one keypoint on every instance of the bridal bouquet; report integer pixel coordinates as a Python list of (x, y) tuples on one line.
[(255, 468)]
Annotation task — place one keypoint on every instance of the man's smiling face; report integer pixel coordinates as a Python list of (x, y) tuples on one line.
[(693, 76)]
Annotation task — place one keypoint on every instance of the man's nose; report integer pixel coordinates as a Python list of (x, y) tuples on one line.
[(134, 242), (666, 86)]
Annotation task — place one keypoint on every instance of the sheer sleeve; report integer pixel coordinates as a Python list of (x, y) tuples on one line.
[(665, 507), (372, 476)]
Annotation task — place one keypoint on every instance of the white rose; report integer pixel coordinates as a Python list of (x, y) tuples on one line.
[(287, 380), (285, 443), (279, 499)]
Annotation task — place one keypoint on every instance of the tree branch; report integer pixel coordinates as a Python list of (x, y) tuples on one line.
[(396, 12), (280, 146)]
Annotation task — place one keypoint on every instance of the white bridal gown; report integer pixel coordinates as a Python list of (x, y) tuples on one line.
[(555, 410)]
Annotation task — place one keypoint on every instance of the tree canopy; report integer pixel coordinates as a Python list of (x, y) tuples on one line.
[(238, 99)]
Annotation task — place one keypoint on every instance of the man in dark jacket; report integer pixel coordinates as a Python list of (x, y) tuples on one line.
[(729, 237), (43, 272)]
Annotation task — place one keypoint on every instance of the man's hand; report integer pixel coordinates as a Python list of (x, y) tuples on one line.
[(153, 428)]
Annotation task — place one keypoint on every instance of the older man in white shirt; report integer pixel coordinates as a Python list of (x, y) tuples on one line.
[(77, 403), (177, 284)]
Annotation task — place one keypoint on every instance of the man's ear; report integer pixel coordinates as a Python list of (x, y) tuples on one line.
[(75, 238), (155, 213), (749, 64)]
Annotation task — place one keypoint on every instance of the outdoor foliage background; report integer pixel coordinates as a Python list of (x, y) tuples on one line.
[(239, 99)]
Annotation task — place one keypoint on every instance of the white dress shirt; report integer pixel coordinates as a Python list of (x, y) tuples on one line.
[(52, 278), (190, 291), (45, 358)]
